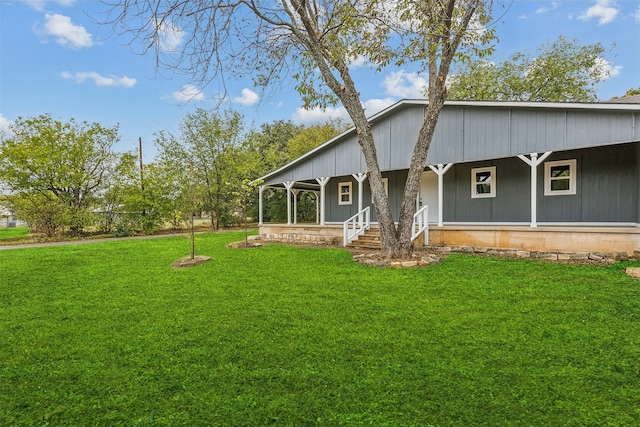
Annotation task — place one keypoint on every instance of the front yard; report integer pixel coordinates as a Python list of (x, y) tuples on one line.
[(109, 334)]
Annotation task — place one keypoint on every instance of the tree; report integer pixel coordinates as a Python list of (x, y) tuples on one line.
[(304, 38), (311, 137), (55, 171), (560, 71), (271, 143), (630, 92), (209, 142), (243, 192)]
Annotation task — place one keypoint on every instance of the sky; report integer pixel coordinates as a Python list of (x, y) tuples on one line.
[(55, 59)]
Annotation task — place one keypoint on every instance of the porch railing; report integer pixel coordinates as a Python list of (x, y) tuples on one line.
[(421, 224), (356, 225)]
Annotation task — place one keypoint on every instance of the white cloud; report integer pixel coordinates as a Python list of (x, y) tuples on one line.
[(607, 69), (373, 106), (359, 62), (319, 116), (98, 79), (636, 14), (544, 9), (40, 4), (248, 98), (4, 125), (188, 93), (405, 85), (170, 36), (66, 33), (604, 10)]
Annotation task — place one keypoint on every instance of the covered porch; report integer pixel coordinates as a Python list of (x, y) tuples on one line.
[(429, 224)]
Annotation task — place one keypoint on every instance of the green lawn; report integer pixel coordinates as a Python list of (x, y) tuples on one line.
[(108, 334), (13, 233)]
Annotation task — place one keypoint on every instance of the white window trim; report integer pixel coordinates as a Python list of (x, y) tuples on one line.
[(474, 172), (572, 177), (340, 194)]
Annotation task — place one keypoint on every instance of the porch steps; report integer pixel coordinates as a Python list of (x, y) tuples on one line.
[(369, 240)]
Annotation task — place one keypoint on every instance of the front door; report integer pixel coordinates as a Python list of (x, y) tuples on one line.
[(428, 194)]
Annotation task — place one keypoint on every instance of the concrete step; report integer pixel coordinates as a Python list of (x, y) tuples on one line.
[(369, 240)]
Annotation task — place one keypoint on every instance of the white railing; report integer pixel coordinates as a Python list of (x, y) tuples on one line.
[(356, 225), (421, 224)]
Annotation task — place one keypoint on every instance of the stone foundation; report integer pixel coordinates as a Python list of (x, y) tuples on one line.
[(590, 257), (307, 239)]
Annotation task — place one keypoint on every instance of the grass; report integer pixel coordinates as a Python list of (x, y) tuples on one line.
[(13, 233), (108, 334)]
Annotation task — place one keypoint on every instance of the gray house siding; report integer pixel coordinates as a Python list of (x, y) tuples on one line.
[(339, 213), (468, 132), (512, 200), (606, 187), (607, 191)]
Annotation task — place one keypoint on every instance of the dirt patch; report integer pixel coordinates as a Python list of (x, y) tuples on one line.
[(190, 262), (245, 245), (419, 258)]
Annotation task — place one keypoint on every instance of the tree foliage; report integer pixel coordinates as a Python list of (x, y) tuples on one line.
[(311, 137), (304, 39), (564, 70), (630, 92), (271, 142), (55, 171), (209, 148)]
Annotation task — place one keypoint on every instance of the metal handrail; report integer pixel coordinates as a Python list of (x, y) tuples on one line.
[(421, 224), (356, 225)]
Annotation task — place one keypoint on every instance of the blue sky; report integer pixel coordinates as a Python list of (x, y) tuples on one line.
[(55, 59)]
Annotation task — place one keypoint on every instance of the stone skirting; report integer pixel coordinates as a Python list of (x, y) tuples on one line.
[(547, 239), (307, 234), (539, 239), (594, 257)]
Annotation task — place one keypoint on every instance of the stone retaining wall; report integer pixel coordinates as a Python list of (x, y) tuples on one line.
[(600, 257), (304, 239)]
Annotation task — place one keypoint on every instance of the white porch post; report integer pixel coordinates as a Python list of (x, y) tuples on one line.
[(440, 170), (360, 177), (288, 185), (295, 205), (534, 162), (260, 191), (317, 196), (322, 181)]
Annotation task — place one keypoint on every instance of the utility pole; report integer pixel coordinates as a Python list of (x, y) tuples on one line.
[(144, 212), (141, 174)]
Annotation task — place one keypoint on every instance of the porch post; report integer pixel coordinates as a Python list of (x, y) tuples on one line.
[(440, 170), (260, 191), (360, 177), (534, 162), (295, 205), (317, 196), (288, 185), (322, 181)]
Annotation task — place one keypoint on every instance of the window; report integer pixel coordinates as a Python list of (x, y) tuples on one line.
[(483, 182), (560, 177), (344, 193)]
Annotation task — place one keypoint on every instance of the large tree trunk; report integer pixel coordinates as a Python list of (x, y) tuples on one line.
[(416, 168), (396, 242)]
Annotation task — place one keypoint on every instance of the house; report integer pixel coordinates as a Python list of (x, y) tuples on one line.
[(7, 219), (535, 176)]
